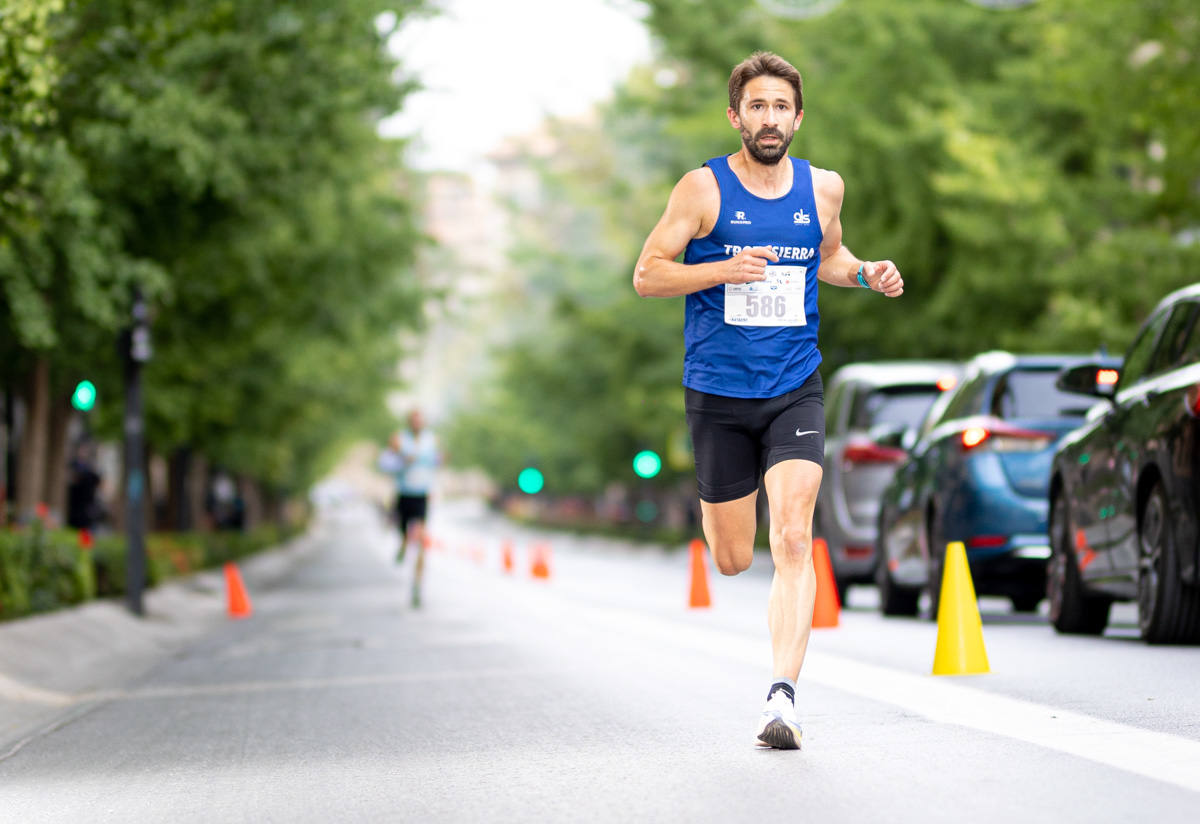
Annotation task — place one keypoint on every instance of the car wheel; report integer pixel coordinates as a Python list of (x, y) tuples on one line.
[(1168, 611), (1072, 611), (893, 598), (1026, 603)]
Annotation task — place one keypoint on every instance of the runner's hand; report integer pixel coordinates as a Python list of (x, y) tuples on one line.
[(883, 276), (750, 264)]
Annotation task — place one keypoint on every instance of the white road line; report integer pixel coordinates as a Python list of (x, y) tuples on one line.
[(1161, 756), (13, 690)]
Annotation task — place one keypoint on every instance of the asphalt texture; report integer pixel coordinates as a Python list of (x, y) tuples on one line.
[(593, 695)]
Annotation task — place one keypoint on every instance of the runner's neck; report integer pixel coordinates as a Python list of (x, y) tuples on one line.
[(761, 180)]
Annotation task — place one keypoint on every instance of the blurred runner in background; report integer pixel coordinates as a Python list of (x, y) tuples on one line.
[(412, 458), (757, 230)]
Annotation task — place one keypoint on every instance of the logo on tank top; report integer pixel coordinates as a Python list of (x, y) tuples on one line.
[(784, 252), (739, 218), (800, 218)]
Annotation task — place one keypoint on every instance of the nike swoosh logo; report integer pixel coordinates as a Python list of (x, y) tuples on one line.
[(809, 432)]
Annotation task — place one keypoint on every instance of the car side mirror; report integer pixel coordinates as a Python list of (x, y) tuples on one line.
[(1089, 379)]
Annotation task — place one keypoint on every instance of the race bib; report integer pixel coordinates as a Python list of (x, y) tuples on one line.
[(776, 301)]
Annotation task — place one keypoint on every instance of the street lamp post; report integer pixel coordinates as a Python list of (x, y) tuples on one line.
[(135, 350)]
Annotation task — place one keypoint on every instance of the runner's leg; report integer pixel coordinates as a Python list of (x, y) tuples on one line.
[(792, 487), (729, 529), (416, 538)]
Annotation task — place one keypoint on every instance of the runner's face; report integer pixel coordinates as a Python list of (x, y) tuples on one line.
[(767, 118)]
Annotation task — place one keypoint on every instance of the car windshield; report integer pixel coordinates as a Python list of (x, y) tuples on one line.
[(1031, 393), (903, 405)]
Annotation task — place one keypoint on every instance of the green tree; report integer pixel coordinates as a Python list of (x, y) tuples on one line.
[(224, 156)]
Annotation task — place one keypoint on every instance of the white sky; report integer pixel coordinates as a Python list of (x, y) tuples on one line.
[(495, 68)]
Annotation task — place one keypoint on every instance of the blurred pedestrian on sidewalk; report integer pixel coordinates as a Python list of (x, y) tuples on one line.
[(83, 504)]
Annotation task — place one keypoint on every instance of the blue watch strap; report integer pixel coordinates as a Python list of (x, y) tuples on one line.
[(862, 281)]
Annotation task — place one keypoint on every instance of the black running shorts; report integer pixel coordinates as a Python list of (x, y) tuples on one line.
[(736, 440), (410, 508)]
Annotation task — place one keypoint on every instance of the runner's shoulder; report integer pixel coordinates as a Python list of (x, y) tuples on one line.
[(828, 183), (699, 184)]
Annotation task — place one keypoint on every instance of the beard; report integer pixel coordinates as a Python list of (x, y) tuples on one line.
[(767, 155)]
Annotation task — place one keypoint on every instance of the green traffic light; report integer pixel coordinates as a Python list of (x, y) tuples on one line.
[(530, 481), (647, 464), (84, 397)]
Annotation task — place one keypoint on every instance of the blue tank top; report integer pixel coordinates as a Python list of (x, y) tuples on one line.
[(754, 361)]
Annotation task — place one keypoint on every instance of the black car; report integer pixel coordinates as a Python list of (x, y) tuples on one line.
[(1125, 486)]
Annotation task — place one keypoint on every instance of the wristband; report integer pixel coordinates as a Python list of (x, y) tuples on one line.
[(862, 281)]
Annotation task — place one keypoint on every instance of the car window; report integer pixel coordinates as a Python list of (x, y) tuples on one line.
[(1189, 351), (1137, 359), (1031, 393), (1173, 345), (904, 405), (833, 414), (968, 399)]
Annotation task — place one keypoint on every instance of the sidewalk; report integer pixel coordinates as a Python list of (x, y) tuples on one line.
[(55, 666)]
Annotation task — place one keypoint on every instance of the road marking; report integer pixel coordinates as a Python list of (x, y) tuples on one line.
[(13, 690), (1160, 756), (337, 682)]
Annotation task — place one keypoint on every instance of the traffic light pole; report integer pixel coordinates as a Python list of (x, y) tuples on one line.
[(135, 350)]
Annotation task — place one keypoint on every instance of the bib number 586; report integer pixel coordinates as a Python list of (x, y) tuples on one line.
[(766, 306)]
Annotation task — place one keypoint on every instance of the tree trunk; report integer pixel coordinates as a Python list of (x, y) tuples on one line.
[(31, 469), (252, 499), (197, 488), (178, 512), (55, 491)]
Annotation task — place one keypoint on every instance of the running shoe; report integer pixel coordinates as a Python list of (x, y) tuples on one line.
[(778, 727)]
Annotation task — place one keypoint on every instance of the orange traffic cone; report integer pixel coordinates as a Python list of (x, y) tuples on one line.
[(827, 607), (506, 556), (699, 595), (239, 601), (541, 561)]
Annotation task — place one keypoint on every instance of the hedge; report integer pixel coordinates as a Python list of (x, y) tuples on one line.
[(44, 569)]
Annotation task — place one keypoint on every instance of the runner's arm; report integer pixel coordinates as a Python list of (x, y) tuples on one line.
[(658, 275)]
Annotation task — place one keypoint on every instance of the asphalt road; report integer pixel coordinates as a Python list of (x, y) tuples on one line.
[(597, 695)]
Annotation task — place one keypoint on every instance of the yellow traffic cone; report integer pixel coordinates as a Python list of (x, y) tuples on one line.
[(960, 632)]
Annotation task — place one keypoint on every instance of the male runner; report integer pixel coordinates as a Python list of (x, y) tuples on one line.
[(411, 458), (757, 230)]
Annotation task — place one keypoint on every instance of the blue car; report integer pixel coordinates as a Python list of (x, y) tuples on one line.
[(979, 473)]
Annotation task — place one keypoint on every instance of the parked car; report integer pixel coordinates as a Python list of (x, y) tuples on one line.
[(1125, 486), (979, 473), (872, 414)]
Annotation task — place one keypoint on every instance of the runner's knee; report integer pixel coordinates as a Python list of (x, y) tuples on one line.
[(730, 560), (791, 543)]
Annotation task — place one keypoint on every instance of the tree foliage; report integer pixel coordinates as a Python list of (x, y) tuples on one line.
[(1033, 172), (223, 156)]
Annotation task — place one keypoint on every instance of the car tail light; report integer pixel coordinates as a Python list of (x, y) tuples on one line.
[(858, 552), (947, 382), (869, 452), (1192, 400), (1002, 438), (1107, 377), (984, 541)]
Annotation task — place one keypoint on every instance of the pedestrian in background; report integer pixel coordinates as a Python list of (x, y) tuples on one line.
[(412, 458), (84, 510), (757, 230)]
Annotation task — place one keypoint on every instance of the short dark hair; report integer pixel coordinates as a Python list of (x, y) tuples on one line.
[(764, 63)]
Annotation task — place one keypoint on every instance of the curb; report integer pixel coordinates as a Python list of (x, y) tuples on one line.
[(52, 665)]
